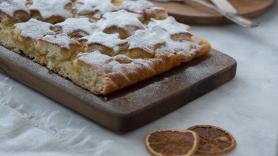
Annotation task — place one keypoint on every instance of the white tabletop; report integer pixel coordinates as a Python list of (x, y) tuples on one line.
[(31, 124)]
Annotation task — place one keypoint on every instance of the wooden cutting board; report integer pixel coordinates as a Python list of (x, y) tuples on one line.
[(132, 107), (195, 14)]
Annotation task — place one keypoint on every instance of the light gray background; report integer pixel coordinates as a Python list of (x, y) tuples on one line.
[(31, 124)]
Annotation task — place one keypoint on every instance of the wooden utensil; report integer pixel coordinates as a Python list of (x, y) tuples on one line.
[(197, 14)]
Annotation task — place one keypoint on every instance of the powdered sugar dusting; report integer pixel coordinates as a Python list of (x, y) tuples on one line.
[(110, 64), (60, 39), (94, 58), (120, 19), (83, 24), (10, 7), (34, 29), (137, 6), (148, 39), (171, 25), (186, 48), (109, 40), (51, 8), (38, 30), (94, 6)]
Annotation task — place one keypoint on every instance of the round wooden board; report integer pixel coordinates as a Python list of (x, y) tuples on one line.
[(195, 14)]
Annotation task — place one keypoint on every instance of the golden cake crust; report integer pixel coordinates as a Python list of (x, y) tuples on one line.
[(116, 80)]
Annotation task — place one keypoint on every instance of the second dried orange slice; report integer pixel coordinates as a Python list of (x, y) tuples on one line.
[(213, 140)]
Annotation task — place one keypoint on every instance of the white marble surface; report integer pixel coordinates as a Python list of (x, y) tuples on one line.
[(31, 124)]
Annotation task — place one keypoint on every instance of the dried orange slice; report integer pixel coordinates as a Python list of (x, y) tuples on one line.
[(213, 140), (172, 143)]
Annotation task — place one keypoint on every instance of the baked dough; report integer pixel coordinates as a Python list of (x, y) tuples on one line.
[(102, 46)]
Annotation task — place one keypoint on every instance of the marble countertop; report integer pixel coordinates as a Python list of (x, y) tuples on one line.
[(31, 124)]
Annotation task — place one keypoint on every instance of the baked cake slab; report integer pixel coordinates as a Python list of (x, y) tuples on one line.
[(102, 46)]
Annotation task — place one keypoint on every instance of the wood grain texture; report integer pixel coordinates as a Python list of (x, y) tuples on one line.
[(195, 14), (132, 107)]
